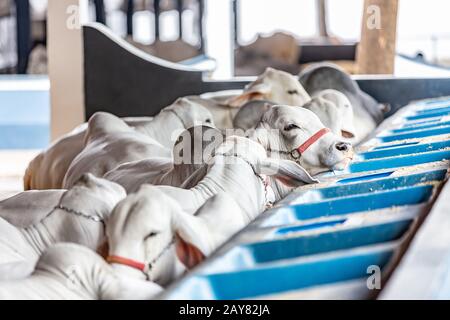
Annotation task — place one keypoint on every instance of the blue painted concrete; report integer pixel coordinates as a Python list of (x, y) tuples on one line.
[(352, 204), (381, 147), (294, 247), (416, 134), (413, 123), (310, 226), (400, 161), (434, 110), (340, 191), (427, 115), (288, 277), (365, 177), (404, 150), (24, 113), (421, 127)]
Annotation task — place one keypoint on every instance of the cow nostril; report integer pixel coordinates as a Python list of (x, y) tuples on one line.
[(342, 146)]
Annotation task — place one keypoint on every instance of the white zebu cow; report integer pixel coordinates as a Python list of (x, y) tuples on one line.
[(297, 134), (47, 170), (189, 153), (28, 207), (335, 111), (332, 107), (239, 170), (368, 113), (73, 272), (159, 171), (78, 217), (111, 142), (276, 86)]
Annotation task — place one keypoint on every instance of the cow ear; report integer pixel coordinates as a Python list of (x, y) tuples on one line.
[(191, 248), (287, 171), (385, 107), (255, 92), (189, 255), (347, 134), (195, 178)]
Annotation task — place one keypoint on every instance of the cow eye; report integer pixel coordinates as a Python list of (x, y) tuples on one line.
[(151, 235), (208, 120), (292, 91), (291, 126)]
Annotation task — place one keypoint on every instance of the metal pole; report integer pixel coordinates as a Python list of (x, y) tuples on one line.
[(180, 18), (100, 14), (130, 12), (322, 18), (201, 12), (236, 22), (23, 25), (157, 10)]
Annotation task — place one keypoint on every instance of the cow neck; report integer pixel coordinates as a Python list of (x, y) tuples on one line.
[(177, 175), (235, 179), (40, 235), (162, 127)]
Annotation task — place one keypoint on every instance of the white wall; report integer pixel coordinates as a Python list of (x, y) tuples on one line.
[(219, 36)]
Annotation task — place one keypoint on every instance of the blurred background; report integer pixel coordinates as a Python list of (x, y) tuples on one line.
[(178, 30), (236, 37)]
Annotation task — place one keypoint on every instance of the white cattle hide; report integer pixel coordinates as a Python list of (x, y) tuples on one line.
[(72, 272), (78, 217), (109, 143), (48, 169), (190, 151), (239, 169)]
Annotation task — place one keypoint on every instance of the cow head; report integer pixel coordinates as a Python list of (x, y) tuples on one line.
[(335, 111), (283, 129), (190, 113), (273, 85), (143, 228)]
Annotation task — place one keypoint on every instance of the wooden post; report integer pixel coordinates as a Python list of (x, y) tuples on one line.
[(376, 51), (66, 63)]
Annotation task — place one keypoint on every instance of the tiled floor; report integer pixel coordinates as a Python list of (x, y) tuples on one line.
[(12, 166)]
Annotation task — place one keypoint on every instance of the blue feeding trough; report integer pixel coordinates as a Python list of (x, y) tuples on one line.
[(349, 205), (373, 185), (400, 161), (365, 177), (310, 226), (417, 134), (415, 123), (421, 127), (405, 150), (432, 114), (445, 109), (252, 255), (285, 276)]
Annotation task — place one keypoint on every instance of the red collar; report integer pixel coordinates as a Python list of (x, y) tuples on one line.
[(127, 262), (297, 153)]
